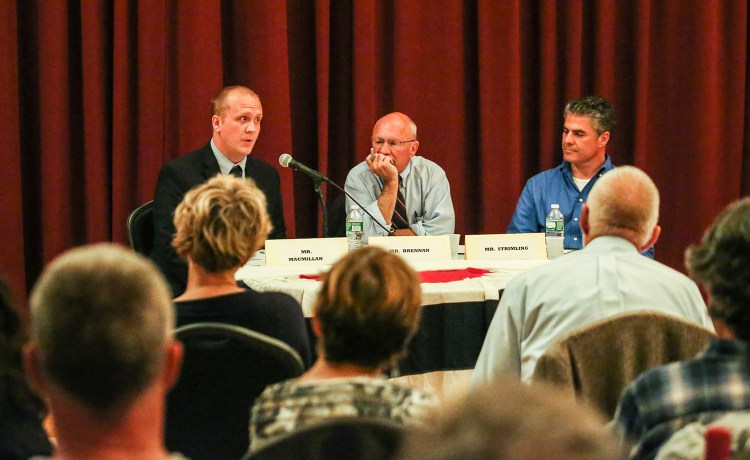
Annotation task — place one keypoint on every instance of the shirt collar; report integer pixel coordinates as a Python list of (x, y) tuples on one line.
[(225, 165), (567, 169)]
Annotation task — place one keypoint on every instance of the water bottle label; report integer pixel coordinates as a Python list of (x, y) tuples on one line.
[(355, 226)]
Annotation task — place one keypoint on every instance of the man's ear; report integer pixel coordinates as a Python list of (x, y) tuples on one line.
[(172, 363), (33, 368), (603, 138), (413, 148), (652, 240), (584, 223), (316, 326)]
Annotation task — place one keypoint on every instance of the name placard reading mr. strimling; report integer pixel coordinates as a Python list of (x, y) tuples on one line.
[(521, 246), (415, 248), (305, 251)]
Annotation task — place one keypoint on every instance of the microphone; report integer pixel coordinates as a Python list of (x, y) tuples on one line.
[(287, 161)]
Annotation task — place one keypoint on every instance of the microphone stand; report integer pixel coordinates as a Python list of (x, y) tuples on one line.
[(317, 181)]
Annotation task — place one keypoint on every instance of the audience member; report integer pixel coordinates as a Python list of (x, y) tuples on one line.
[(220, 225), (367, 310), (716, 382), (21, 411), (607, 277), (588, 126), (408, 194), (236, 115), (102, 353), (507, 420)]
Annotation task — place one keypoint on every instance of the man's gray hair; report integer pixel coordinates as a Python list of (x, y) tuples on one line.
[(507, 419), (101, 317), (625, 203)]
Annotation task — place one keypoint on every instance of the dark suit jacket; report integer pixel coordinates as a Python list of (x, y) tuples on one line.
[(184, 173)]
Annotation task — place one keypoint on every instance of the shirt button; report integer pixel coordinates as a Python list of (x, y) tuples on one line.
[(575, 219), (575, 238), (580, 200)]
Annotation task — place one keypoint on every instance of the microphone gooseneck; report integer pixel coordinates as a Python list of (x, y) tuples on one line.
[(287, 161)]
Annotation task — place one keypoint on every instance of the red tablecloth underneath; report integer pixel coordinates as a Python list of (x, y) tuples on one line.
[(434, 276)]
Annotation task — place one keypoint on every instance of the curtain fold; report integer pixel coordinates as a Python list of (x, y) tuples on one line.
[(96, 96)]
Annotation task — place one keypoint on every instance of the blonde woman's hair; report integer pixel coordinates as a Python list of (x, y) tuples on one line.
[(221, 223)]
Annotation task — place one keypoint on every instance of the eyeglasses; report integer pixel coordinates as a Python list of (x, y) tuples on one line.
[(392, 143)]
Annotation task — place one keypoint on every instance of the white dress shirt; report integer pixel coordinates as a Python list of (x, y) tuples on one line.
[(546, 303)]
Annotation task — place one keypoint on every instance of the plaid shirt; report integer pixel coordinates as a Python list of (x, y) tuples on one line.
[(664, 399)]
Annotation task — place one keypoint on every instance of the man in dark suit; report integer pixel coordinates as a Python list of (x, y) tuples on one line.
[(236, 114)]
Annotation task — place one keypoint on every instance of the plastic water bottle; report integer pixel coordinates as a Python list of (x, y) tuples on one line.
[(354, 228), (555, 225), (554, 232)]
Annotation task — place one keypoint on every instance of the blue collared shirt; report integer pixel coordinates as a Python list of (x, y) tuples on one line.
[(556, 186)]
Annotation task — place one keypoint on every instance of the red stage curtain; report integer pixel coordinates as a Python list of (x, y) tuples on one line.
[(96, 96)]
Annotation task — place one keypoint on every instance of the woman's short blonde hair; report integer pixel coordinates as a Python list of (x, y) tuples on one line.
[(221, 223), (368, 308)]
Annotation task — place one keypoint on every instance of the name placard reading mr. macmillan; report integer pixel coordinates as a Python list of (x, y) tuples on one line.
[(521, 246), (415, 247), (305, 251)]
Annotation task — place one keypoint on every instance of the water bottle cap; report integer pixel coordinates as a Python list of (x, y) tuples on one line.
[(354, 206), (555, 206)]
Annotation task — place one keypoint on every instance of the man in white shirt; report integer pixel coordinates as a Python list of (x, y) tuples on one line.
[(606, 278)]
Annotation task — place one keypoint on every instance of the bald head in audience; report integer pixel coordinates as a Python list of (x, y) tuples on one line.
[(507, 419), (624, 203)]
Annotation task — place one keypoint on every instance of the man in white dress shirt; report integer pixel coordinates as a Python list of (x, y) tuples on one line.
[(606, 278)]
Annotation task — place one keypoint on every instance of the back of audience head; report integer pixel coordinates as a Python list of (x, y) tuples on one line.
[(101, 322), (599, 110), (13, 386), (624, 202), (368, 308), (720, 262), (507, 419), (221, 223)]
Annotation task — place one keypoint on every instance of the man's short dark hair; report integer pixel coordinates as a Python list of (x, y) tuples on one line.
[(101, 316), (598, 109), (721, 262)]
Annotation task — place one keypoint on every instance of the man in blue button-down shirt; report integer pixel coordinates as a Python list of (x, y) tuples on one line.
[(588, 126)]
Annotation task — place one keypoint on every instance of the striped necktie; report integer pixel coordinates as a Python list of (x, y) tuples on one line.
[(236, 171), (399, 219)]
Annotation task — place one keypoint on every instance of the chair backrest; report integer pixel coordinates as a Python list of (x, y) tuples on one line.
[(225, 367), (337, 217), (140, 225), (597, 361), (350, 438)]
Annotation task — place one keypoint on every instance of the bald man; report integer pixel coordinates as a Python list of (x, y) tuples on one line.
[(607, 277), (407, 194)]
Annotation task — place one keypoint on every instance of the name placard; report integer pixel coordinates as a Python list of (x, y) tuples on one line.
[(521, 246), (415, 247), (305, 251)]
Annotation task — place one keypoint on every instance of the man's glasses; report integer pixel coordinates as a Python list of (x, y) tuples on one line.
[(392, 143)]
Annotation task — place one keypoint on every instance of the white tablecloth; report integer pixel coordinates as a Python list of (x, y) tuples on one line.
[(287, 279)]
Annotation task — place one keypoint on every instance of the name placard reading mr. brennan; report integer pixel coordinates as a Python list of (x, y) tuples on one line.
[(415, 247), (521, 246), (305, 251)]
